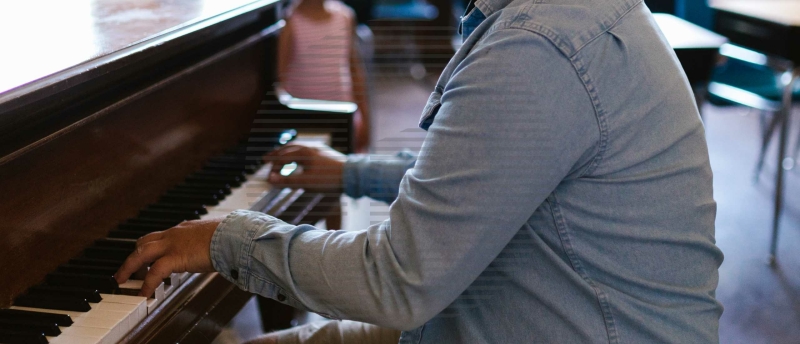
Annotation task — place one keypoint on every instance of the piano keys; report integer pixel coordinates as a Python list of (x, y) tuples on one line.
[(102, 311)]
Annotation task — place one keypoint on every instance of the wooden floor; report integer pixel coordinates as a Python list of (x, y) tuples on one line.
[(762, 304)]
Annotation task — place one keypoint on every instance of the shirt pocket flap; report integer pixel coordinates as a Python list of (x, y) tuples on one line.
[(430, 110)]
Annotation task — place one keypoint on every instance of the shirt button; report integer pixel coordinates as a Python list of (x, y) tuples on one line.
[(281, 297), (234, 274)]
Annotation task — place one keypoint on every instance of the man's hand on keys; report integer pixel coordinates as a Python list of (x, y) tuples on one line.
[(321, 167), (183, 248)]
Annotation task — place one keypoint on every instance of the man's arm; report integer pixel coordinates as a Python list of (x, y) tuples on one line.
[(358, 78)]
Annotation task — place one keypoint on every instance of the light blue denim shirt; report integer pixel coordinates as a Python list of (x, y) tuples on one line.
[(563, 194)]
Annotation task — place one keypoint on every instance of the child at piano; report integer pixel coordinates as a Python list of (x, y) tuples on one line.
[(318, 59)]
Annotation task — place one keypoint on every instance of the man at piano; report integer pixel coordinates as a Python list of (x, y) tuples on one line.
[(563, 194)]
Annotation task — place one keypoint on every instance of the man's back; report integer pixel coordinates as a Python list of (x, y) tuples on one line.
[(622, 250)]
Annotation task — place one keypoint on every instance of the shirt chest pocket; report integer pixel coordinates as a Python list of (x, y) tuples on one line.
[(430, 110)]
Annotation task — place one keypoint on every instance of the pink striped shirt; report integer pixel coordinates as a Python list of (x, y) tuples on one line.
[(319, 61)]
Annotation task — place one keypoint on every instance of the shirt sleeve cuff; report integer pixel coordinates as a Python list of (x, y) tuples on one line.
[(354, 175), (230, 246), (231, 250)]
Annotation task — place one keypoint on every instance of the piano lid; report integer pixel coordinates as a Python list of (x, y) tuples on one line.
[(56, 55), (42, 38)]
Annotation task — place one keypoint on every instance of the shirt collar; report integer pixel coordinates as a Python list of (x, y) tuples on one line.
[(488, 7)]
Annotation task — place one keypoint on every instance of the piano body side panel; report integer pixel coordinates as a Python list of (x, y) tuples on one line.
[(75, 187)]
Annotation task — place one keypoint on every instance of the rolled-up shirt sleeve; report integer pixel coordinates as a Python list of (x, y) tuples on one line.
[(376, 176), (495, 151)]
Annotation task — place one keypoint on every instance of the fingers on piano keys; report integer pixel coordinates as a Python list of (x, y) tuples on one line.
[(81, 302)]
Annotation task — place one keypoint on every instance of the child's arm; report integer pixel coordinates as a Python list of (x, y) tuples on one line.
[(359, 82), (284, 51)]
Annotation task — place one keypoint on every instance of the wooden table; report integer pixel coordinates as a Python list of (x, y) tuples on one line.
[(771, 27)]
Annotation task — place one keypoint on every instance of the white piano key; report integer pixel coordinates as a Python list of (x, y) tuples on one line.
[(71, 339), (132, 287), (139, 301), (101, 335), (184, 276), (152, 304), (252, 190), (174, 280), (113, 324), (132, 310)]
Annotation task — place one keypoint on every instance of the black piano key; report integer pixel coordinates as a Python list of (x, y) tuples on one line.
[(115, 243), (103, 284), (231, 163), (88, 269), (182, 197), (16, 337), (210, 189), (221, 180), (169, 214), (120, 234), (166, 224), (91, 295), (64, 303), (199, 209), (213, 175), (94, 262), (110, 253), (58, 319), (50, 329), (229, 167), (207, 184), (195, 192), (31, 320), (142, 227), (240, 175), (237, 160)]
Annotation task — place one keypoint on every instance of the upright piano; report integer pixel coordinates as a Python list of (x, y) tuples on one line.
[(123, 117)]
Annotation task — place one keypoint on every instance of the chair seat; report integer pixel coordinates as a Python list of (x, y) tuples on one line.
[(759, 80)]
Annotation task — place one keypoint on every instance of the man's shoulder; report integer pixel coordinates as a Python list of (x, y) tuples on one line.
[(568, 24)]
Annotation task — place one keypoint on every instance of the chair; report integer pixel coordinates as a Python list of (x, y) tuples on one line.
[(752, 79)]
